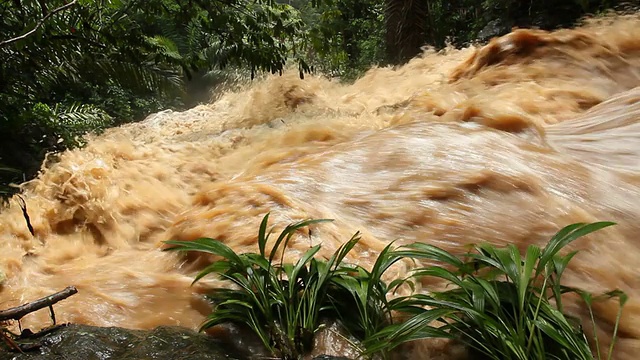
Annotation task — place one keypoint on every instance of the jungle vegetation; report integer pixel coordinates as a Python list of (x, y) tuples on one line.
[(69, 67)]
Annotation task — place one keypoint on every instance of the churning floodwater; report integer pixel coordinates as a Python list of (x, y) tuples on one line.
[(505, 143)]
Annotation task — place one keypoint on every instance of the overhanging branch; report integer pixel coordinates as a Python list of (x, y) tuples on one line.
[(39, 24)]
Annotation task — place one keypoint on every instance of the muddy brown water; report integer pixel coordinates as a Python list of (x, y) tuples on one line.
[(505, 143)]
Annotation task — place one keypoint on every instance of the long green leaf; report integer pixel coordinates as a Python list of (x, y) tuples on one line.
[(262, 237), (206, 245), (567, 235), (531, 257)]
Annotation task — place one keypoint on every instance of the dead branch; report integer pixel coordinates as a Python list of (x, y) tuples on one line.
[(39, 24), (28, 334), (19, 312), (25, 214)]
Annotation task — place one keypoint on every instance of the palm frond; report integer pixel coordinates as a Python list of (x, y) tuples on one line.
[(165, 46), (146, 76), (71, 122)]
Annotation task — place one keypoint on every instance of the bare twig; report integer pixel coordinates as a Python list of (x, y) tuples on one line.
[(25, 213), (28, 334), (39, 24), (18, 312)]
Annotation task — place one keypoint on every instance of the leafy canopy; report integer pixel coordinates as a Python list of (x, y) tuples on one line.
[(72, 67)]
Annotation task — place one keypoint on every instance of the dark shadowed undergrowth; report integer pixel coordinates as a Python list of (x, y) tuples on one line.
[(502, 304)]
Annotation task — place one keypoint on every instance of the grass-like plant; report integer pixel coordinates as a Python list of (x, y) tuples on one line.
[(503, 305), (281, 302), (374, 322), (506, 306)]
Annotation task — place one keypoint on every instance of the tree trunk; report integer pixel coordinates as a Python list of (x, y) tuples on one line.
[(405, 27)]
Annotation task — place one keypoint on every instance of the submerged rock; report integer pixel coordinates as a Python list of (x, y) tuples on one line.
[(101, 343)]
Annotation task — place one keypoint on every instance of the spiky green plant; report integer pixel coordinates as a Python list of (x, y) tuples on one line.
[(281, 302), (503, 303), (373, 322)]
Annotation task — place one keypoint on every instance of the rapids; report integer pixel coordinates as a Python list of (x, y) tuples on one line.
[(505, 143)]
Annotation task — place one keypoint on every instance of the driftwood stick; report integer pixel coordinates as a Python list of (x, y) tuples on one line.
[(19, 312)]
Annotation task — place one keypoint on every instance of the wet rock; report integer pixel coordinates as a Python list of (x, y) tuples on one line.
[(332, 342), (241, 340), (494, 28), (83, 342)]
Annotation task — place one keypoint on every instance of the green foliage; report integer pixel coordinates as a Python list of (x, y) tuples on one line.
[(373, 322), (503, 305), (70, 67), (116, 61), (281, 302), (67, 124), (346, 37), (343, 37)]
